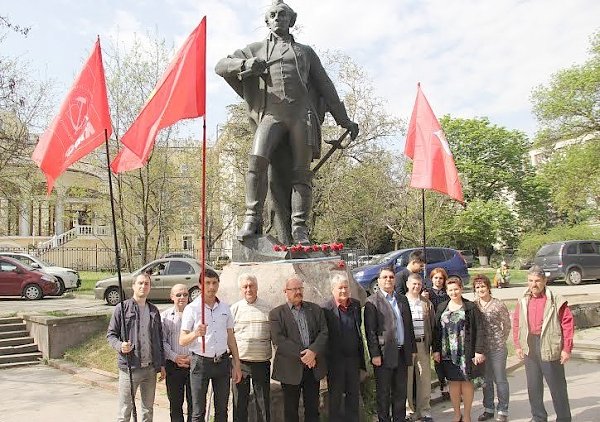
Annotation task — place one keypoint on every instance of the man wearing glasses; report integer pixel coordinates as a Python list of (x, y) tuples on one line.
[(299, 333), (178, 357)]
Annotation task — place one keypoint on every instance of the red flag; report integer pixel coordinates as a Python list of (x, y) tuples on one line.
[(181, 94), (426, 145), (126, 160), (79, 127)]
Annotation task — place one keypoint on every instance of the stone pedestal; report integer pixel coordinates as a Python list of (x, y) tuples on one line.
[(271, 276)]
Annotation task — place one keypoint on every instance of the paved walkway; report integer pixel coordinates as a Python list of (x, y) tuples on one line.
[(582, 379)]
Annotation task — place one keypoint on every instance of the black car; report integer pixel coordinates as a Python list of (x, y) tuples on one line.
[(571, 260)]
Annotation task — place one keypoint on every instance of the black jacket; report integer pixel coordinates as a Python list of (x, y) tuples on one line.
[(332, 315), (115, 335), (380, 329), (474, 335)]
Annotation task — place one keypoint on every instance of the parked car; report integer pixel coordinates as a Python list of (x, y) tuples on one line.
[(164, 273), (571, 260), (468, 256), (67, 278), (449, 259), (366, 259), (178, 255), (18, 279)]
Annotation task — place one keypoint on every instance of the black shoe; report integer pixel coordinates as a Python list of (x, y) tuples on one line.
[(485, 416), (445, 395)]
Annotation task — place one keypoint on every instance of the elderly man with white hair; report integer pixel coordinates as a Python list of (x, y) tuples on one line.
[(345, 350), (253, 335)]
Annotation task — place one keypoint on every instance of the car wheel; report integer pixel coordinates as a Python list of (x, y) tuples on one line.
[(374, 288), (194, 293), (33, 292), (60, 287), (112, 296), (573, 277)]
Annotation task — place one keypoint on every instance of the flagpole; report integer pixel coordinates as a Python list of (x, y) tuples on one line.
[(203, 224), (118, 262), (424, 237)]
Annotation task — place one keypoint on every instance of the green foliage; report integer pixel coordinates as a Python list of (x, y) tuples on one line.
[(532, 242), (481, 224), (573, 186), (569, 106), (89, 279)]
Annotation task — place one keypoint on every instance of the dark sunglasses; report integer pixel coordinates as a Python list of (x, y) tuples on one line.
[(181, 294)]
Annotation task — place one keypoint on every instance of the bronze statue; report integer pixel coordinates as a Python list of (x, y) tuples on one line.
[(287, 92)]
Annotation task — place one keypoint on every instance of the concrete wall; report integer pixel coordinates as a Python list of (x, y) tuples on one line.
[(586, 314), (54, 335)]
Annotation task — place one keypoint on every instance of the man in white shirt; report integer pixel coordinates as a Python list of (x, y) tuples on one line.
[(209, 344), (253, 336), (178, 357)]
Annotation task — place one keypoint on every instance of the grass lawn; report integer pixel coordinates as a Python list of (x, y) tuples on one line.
[(94, 353), (89, 279), (517, 277)]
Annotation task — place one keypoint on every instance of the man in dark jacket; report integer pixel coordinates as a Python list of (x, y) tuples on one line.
[(416, 264), (391, 342), (143, 348), (299, 333), (345, 351)]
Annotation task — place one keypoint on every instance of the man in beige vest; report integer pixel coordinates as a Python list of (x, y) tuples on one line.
[(543, 328)]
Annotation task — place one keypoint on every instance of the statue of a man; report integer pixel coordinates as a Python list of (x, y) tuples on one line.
[(287, 92)]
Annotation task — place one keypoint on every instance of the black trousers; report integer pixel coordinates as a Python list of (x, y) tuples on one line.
[(310, 395), (259, 374), (178, 388), (202, 372), (343, 382), (390, 386)]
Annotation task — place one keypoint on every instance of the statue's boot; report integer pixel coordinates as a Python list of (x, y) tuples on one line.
[(256, 193), (301, 205)]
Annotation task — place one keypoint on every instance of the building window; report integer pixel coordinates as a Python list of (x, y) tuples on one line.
[(188, 242)]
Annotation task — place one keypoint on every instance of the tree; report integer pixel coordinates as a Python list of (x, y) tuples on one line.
[(568, 108), (574, 188), (498, 182), (24, 109), (157, 200)]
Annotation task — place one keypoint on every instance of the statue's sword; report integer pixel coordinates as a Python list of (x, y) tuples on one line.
[(335, 145)]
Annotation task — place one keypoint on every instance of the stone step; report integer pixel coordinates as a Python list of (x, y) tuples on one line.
[(22, 357), (18, 350), (12, 326), (13, 334), (15, 341), (17, 364), (10, 320)]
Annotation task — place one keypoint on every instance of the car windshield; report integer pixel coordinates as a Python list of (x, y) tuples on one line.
[(384, 258)]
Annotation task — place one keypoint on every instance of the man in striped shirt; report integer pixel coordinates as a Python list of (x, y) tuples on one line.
[(253, 336), (178, 357)]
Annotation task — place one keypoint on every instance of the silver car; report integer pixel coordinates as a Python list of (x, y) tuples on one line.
[(67, 278), (164, 274)]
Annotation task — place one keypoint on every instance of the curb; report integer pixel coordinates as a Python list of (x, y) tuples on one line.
[(104, 379)]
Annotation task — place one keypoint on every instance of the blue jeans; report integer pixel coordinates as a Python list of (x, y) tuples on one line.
[(495, 372)]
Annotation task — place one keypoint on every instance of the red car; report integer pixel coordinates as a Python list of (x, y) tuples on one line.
[(18, 279)]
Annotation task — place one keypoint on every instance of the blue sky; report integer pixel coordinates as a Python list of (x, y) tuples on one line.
[(473, 58)]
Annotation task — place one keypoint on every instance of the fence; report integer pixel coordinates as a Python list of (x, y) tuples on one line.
[(101, 258)]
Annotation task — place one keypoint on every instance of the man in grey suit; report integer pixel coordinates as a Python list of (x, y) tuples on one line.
[(391, 343), (287, 91), (299, 333)]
